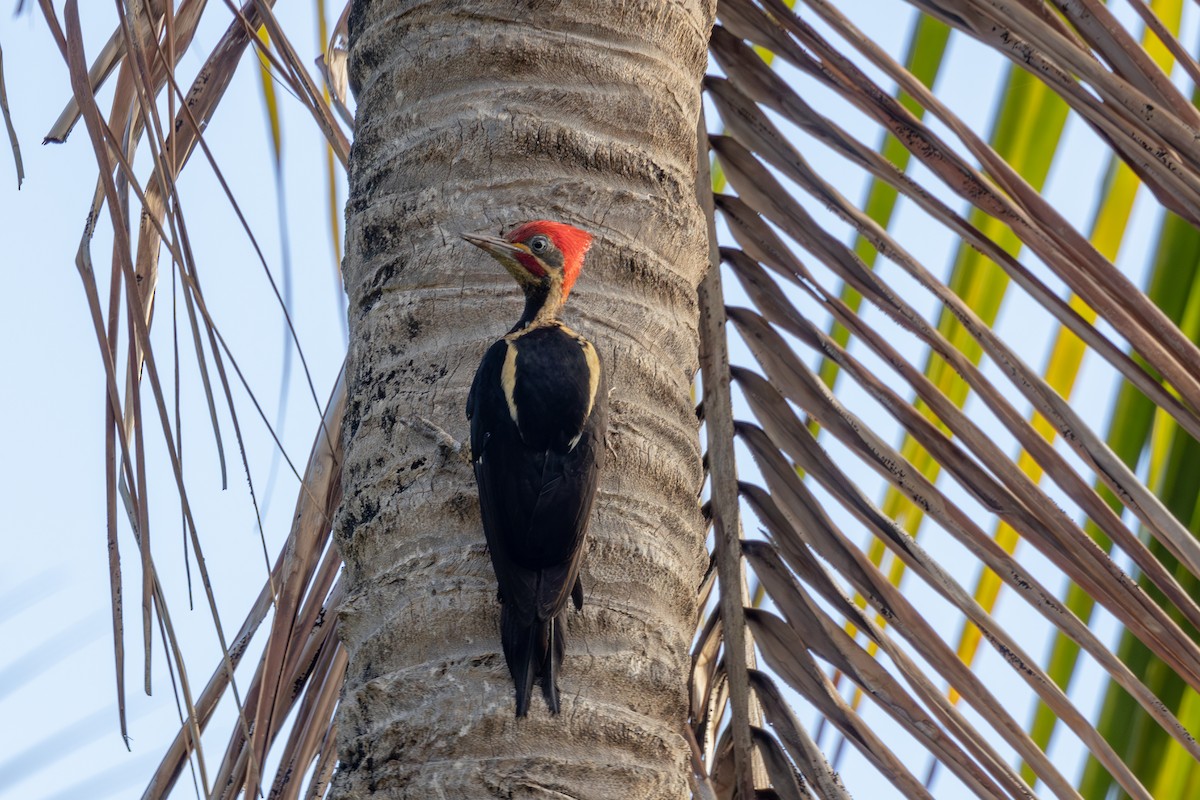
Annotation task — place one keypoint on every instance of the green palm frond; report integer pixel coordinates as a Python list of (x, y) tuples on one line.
[(831, 308), (1027, 510)]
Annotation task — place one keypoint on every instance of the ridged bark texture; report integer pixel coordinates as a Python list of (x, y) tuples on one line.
[(474, 116)]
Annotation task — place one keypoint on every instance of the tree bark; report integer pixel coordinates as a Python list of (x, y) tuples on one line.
[(474, 116)]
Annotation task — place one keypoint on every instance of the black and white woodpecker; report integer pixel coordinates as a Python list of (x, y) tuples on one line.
[(538, 410)]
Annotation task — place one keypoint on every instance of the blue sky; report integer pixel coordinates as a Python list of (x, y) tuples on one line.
[(57, 693), (59, 679)]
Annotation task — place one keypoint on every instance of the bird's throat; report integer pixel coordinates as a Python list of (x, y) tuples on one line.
[(542, 305)]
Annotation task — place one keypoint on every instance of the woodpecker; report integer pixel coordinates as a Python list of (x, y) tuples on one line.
[(538, 410)]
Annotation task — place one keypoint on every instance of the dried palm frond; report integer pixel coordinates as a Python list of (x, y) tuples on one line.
[(828, 608), (8, 125), (1097, 67), (303, 664)]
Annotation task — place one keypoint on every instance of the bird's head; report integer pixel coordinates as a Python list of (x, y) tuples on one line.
[(545, 257)]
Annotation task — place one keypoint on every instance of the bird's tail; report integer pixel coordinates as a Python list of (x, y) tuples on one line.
[(533, 648), (551, 646), (519, 636)]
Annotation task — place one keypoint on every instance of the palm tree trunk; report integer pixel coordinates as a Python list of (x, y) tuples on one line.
[(473, 115)]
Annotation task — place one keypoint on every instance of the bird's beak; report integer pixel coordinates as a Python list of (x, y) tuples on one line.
[(500, 249), (506, 253)]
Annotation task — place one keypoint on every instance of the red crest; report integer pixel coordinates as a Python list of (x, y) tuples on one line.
[(571, 242)]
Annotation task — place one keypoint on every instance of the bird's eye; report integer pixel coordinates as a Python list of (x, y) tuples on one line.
[(539, 244)]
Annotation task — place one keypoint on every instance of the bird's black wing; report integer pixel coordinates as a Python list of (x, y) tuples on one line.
[(494, 438), (559, 519)]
